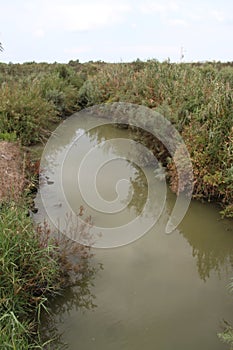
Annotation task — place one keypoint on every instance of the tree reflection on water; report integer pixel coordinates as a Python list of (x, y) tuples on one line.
[(211, 239), (76, 295)]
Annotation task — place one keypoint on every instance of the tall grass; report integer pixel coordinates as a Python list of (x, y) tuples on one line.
[(28, 273), (34, 267)]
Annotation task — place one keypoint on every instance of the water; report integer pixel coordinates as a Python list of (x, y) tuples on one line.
[(165, 292)]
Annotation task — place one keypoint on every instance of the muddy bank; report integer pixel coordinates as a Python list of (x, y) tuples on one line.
[(12, 171)]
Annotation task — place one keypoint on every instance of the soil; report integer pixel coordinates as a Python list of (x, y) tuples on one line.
[(12, 172)]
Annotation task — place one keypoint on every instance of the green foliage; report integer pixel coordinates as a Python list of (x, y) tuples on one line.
[(197, 98), (32, 96), (28, 273), (226, 75), (6, 136), (61, 92), (24, 112), (34, 267)]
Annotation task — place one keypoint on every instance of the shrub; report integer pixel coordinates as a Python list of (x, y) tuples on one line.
[(25, 113)]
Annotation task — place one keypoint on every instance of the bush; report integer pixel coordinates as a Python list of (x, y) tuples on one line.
[(62, 95), (25, 113)]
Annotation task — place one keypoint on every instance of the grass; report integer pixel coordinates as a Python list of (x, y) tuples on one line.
[(33, 268), (28, 273)]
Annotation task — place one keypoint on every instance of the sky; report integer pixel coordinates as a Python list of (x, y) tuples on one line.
[(116, 30)]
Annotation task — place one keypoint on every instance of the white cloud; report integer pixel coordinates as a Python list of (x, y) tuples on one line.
[(187, 12), (177, 22), (151, 7), (219, 16), (134, 25), (39, 33), (214, 15), (77, 16), (78, 50), (151, 50), (166, 10)]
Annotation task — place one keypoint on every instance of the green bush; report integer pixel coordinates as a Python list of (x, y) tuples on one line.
[(24, 112), (59, 93)]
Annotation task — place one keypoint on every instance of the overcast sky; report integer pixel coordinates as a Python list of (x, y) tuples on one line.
[(114, 31)]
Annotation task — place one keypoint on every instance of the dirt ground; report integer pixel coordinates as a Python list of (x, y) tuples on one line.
[(12, 178)]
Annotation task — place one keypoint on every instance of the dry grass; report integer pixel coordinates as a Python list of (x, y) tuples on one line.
[(12, 172)]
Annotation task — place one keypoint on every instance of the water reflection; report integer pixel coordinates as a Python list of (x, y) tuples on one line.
[(211, 239), (140, 190), (79, 298)]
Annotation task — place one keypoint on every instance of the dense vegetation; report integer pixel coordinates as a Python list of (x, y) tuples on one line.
[(33, 268), (197, 98)]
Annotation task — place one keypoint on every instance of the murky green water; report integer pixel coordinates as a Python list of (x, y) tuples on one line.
[(164, 292)]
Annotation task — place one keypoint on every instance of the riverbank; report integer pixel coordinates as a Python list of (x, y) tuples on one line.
[(196, 98), (34, 267), (12, 171)]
